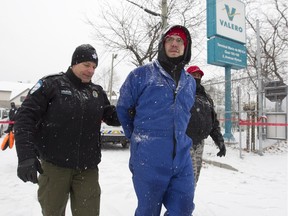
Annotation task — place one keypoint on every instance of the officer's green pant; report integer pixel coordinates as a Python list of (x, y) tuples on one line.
[(57, 183)]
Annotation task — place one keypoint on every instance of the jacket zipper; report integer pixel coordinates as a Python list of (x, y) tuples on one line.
[(174, 135), (81, 125)]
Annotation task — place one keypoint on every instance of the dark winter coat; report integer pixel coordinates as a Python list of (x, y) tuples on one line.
[(203, 121), (60, 121)]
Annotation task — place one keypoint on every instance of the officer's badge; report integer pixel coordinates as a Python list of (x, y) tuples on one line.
[(95, 94)]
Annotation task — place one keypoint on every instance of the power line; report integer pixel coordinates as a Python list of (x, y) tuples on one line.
[(145, 9)]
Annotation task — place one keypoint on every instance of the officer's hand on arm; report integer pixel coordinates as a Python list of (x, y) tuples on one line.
[(27, 170), (222, 148), (110, 116)]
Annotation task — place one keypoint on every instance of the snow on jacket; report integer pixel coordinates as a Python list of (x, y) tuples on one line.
[(61, 122), (154, 110), (150, 107)]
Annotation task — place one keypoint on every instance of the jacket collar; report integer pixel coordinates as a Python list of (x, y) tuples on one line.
[(74, 79)]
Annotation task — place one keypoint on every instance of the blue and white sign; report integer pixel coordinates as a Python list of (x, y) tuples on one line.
[(226, 18), (223, 52)]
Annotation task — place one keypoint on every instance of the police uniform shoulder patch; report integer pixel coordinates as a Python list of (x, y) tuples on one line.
[(39, 84), (36, 86)]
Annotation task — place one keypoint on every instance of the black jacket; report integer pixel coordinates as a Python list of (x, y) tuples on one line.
[(12, 113), (60, 122), (203, 121)]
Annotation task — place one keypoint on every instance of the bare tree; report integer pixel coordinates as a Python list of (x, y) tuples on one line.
[(272, 16), (102, 77), (133, 33), (132, 30)]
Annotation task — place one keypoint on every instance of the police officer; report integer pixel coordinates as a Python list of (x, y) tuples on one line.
[(57, 131), (203, 123)]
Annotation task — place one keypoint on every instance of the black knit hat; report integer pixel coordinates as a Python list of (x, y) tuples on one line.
[(84, 52)]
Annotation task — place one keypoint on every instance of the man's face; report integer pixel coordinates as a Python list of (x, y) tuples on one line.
[(84, 71), (197, 75), (174, 46)]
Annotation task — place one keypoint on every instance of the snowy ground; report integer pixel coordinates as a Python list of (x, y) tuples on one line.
[(258, 188)]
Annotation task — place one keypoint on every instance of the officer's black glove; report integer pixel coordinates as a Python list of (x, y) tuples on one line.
[(27, 170), (222, 148)]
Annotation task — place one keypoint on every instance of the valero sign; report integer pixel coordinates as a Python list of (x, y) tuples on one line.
[(226, 18), (226, 33)]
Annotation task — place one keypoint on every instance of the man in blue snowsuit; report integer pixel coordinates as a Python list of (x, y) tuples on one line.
[(154, 110)]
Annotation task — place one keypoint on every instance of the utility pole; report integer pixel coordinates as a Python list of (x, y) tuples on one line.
[(239, 117), (260, 96), (164, 13), (114, 56)]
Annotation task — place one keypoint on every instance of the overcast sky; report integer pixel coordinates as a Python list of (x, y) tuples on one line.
[(38, 37)]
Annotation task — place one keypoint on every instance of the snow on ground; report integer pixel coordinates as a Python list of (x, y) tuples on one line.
[(258, 188)]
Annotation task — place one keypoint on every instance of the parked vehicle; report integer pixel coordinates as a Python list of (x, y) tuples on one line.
[(3, 117), (113, 134)]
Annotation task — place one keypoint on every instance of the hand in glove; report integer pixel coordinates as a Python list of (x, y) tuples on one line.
[(222, 148), (27, 170)]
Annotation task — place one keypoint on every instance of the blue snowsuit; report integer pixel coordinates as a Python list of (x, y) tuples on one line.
[(154, 113)]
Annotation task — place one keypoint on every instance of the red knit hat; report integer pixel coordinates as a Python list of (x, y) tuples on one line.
[(179, 32), (194, 69)]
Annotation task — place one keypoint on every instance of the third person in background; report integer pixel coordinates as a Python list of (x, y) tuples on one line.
[(203, 122), (12, 113)]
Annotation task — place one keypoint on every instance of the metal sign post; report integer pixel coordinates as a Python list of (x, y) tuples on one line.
[(226, 32)]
